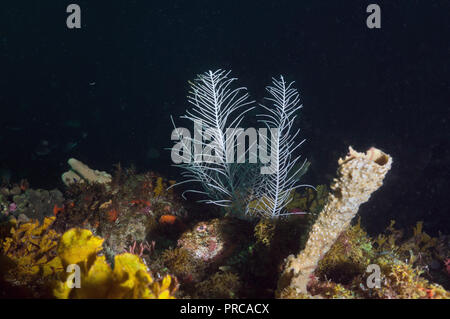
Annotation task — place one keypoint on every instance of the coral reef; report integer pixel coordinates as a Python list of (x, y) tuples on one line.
[(348, 257), (419, 250), (34, 258), (19, 201), (221, 285), (37, 204), (211, 242), (343, 271), (359, 175), (117, 232), (129, 209), (402, 281), (265, 231), (181, 263)]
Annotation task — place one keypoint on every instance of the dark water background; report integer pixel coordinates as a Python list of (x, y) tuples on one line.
[(110, 87)]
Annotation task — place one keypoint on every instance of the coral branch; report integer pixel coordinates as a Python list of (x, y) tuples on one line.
[(81, 172)]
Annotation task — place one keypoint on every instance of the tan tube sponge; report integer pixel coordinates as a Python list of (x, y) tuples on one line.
[(359, 175)]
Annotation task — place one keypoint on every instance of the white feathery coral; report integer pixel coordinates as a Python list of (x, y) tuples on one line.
[(217, 111), (273, 191)]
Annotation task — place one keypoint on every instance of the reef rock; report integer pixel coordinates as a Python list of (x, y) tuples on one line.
[(37, 204)]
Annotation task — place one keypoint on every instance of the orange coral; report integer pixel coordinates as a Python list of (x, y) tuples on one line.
[(112, 215), (57, 209), (168, 219), (139, 202)]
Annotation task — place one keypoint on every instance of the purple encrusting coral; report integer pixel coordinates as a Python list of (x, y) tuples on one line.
[(12, 207)]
